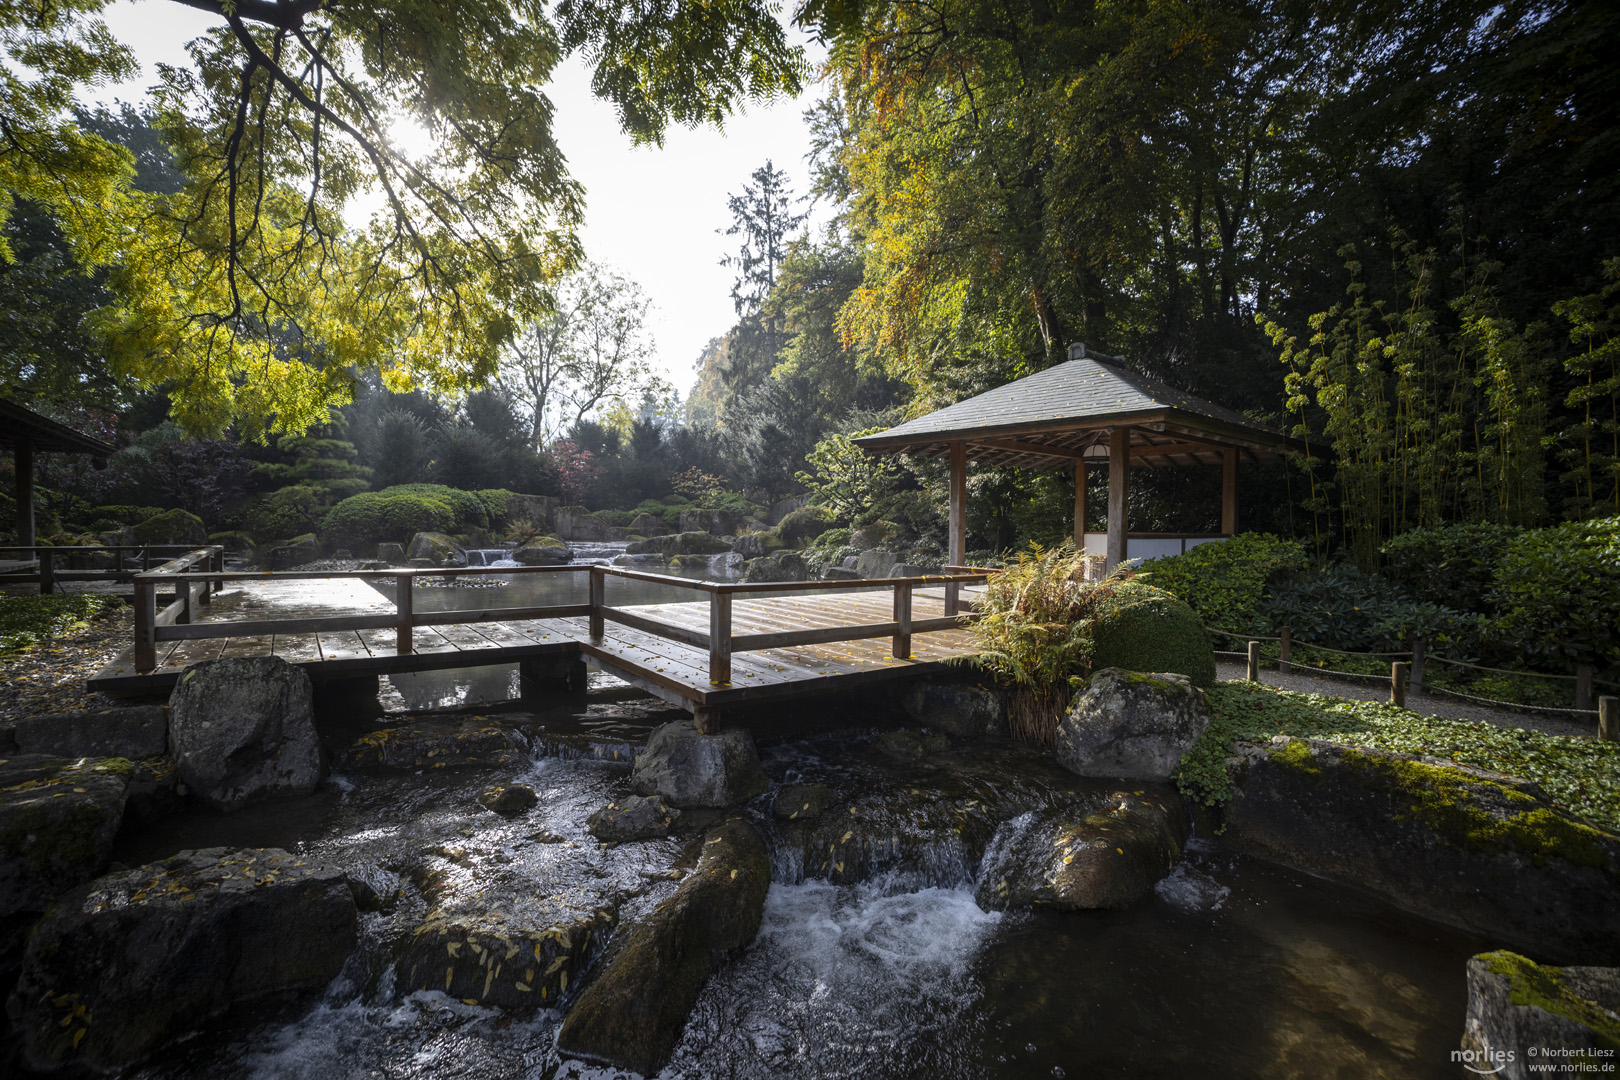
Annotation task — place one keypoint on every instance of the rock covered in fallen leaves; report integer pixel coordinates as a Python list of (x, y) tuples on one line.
[(691, 769), (133, 731), (802, 802), (125, 964), (436, 743), (1085, 856), (508, 800), (633, 818), (631, 1014), (57, 823), (243, 729)]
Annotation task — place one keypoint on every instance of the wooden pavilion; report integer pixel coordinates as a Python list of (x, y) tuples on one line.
[(26, 433), (1090, 410)]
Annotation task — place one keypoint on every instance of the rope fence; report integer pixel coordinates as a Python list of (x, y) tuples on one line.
[(1407, 666)]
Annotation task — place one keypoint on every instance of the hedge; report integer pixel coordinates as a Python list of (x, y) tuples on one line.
[(1452, 565), (1141, 628), (1558, 591), (375, 517)]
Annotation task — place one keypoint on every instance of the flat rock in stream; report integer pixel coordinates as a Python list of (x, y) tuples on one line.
[(57, 823), (633, 818), (134, 960), (803, 802), (631, 1014), (508, 800), (1084, 857), (691, 769), (436, 743), (1472, 848)]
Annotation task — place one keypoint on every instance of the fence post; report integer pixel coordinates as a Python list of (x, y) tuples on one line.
[(1254, 661), (403, 614), (598, 602), (902, 616), (719, 639), (1583, 685), (1285, 647), (145, 625), (182, 592), (1609, 718), (118, 559), (953, 598), (1420, 652), (47, 573), (1397, 684)]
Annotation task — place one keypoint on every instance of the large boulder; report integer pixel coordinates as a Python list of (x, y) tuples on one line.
[(875, 564), (1464, 846), (805, 524), (437, 549), (299, 551), (691, 769), (697, 543), (242, 729), (780, 566), (956, 709), (533, 510), (129, 962), (783, 507), (1132, 725), (631, 1014), (718, 522), (1520, 1011), (578, 523), (543, 552), (390, 554), (754, 545), (436, 743), (647, 525), (135, 731), (1084, 857), (634, 818), (58, 819), (1146, 629)]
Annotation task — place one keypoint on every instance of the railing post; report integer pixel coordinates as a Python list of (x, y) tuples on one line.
[(599, 601), (953, 598), (47, 573), (1397, 684), (902, 616), (1420, 651), (1254, 661), (1609, 718), (145, 624), (402, 607), (182, 592), (719, 639), (1285, 647), (1583, 684), (118, 559)]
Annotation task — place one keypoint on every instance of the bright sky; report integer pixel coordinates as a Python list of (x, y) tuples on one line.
[(651, 213)]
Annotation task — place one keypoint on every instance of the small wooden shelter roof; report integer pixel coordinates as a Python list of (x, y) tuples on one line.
[(45, 434), (1047, 420)]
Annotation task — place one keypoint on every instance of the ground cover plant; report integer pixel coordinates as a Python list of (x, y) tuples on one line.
[(1581, 774), (26, 621)]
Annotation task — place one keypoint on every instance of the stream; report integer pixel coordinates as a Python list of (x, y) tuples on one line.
[(873, 960)]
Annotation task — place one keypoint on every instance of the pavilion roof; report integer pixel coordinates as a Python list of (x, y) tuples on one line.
[(46, 434), (1048, 419)]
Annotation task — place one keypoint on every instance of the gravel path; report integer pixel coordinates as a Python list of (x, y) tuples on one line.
[(1428, 705)]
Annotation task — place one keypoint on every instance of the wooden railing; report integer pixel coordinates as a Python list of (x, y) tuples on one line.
[(174, 623), (49, 572)]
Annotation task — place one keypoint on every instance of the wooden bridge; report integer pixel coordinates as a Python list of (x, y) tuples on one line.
[(733, 643)]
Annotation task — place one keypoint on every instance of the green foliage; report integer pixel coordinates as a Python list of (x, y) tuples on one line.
[(1581, 774), (1141, 628), (468, 510), (1225, 581), (26, 621), (1342, 607), (392, 516), (1590, 445), (165, 527), (1451, 565), (1034, 633), (1558, 590), (494, 501), (281, 515), (125, 515), (804, 523)]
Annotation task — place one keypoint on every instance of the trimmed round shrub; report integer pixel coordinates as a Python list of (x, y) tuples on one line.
[(467, 510), (494, 501), (126, 515), (1141, 628), (1224, 581), (280, 515), (375, 517), (804, 523), (1558, 591)]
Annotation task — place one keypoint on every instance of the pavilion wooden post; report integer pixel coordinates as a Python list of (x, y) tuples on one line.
[(23, 456), (958, 523), (1229, 491), (1080, 505), (1119, 462)]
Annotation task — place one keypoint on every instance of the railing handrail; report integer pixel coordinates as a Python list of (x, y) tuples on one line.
[(98, 547)]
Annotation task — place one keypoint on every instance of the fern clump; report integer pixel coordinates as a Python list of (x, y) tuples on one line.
[(1034, 633)]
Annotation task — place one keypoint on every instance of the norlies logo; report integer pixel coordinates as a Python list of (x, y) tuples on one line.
[(1485, 1062)]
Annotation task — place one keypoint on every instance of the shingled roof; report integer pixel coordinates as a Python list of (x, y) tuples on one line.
[(45, 434), (1046, 420)]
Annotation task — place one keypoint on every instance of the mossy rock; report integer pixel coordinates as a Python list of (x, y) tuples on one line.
[(1147, 629), (1515, 1003)]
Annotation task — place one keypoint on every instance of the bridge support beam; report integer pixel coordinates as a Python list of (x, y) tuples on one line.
[(550, 676)]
